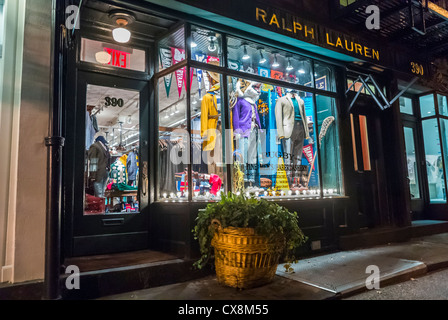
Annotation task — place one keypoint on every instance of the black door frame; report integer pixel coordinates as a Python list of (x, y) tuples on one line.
[(417, 205), (375, 213), (117, 232), (75, 69)]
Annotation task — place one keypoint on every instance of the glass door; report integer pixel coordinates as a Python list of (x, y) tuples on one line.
[(111, 178), (414, 169)]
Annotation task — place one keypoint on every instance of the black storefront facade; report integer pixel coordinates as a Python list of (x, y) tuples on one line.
[(147, 98)]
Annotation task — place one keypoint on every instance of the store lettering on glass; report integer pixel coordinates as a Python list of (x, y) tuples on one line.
[(118, 58)]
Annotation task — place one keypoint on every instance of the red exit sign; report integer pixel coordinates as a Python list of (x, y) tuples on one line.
[(118, 58)]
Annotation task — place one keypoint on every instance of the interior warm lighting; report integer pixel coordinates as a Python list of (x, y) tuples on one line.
[(103, 57), (121, 35), (122, 19)]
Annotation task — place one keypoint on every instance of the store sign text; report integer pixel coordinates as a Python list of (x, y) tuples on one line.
[(294, 27), (118, 58)]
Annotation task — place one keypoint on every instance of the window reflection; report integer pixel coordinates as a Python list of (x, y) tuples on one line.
[(112, 150), (434, 166)]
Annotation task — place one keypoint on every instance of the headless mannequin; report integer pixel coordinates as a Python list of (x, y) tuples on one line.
[(291, 116), (246, 124)]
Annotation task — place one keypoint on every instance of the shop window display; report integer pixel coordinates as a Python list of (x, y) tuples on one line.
[(172, 49), (173, 144), (206, 46), (328, 145), (112, 150), (207, 135), (271, 139), (267, 62), (274, 140)]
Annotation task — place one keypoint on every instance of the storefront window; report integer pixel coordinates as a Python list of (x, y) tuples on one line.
[(112, 150), (443, 105), (427, 107), (114, 55), (206, 46), (274, 136), (324, 77), (173, 146), (270, 140), (329, 145), (172, 49), (434, 166), (207, 135), (267, 62), (406, 105), (411, 163)]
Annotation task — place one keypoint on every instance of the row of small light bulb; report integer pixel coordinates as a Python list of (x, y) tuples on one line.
[(265, 193)]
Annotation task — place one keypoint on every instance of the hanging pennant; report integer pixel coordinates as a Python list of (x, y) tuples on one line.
[(308, 152), (179, 55), (166, 59)]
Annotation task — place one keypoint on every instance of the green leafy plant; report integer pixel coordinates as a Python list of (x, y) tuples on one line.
[(267, 218)]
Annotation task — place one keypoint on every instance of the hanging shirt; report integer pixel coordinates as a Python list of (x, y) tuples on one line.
[(297, 116), (209, 120)]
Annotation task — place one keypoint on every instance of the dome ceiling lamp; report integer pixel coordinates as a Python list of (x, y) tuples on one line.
[(122, 19)]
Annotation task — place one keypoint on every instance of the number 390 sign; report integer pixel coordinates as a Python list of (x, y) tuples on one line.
[(113, 102)]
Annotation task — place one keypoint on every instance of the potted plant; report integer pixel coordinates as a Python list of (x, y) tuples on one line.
[(246, 237)]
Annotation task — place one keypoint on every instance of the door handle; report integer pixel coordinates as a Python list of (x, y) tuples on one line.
[(145, 177), (113, 222)]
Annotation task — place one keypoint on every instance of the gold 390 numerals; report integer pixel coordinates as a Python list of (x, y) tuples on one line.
[(417, 68)]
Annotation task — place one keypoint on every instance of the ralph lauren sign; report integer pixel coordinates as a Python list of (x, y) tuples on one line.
[(282, 21)]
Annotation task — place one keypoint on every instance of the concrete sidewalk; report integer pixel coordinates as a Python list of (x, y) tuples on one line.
[(329, 276)]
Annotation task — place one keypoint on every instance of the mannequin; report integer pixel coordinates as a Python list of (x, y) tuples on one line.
[(131, 166), (246, 126), (91, 126), (99, 164), (210, 122), (292, 129)]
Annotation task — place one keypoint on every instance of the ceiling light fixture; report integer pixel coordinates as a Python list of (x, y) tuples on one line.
[(246, 56), (262, 58), (289, 67), (275, 64), (193, 43), (122, 19), (301, 71), (212, 39)]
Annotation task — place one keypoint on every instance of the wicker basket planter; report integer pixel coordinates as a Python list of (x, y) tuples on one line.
[(245, 238), (243, 259)]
